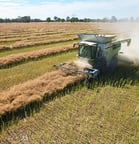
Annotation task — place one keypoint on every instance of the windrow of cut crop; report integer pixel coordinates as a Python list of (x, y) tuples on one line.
[(35, 90), (14, 59), (18, 39), (23, 98), (27, 98), (30, 44), (51, 82)]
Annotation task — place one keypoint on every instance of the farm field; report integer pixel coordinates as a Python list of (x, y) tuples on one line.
[(102, 115), (108, 112), (31, 69)]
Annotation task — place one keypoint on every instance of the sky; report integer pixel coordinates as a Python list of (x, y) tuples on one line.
[(73, 8)]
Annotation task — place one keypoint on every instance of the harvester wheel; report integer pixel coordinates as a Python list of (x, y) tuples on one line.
[(100, 64), (113, 63)]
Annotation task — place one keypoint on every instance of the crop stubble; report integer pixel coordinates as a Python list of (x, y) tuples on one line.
[(35, 90)]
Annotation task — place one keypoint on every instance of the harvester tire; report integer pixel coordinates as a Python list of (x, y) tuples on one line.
[(101, 65)]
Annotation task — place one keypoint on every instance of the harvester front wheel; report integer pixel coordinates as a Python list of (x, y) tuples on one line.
[(101, 65)]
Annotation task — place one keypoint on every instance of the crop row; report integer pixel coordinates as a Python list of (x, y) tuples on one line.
[(37, 28), (34, 48), (33, 90), (105, 114), (25, 99), (16, 33), (29, 44), (34, 36), (15, 59), (32, 69)]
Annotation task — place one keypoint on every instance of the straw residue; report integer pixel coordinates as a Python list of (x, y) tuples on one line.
[(23, 44), (34, 90), (15, 58)]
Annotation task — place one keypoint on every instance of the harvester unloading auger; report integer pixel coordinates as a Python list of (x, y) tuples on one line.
[(97, 54)]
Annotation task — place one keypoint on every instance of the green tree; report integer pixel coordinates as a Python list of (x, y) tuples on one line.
[(25, 19), (74, 19), (62, 20), (86, 20), (68, 19), (1, 20), (55, 18), (48, 19)]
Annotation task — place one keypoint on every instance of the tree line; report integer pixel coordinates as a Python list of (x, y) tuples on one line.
[(27, 19)]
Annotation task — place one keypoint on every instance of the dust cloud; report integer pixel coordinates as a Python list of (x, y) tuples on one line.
[(82, 63), (129, 55)]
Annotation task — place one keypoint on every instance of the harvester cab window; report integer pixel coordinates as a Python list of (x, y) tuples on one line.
[(87, 51)]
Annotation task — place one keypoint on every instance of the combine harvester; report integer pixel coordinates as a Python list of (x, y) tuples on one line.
[(97, 54)]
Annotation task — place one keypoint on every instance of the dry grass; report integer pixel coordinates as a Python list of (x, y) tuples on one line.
[(35, 90)]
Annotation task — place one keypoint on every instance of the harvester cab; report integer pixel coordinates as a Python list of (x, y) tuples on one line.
[(99, 52)]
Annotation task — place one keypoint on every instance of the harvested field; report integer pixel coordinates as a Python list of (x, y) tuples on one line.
[(29, 44), (32, 33), (18, 35), (34, 90), (35, 48), (105, 113), (32, 69), (18, 58)]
